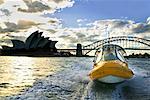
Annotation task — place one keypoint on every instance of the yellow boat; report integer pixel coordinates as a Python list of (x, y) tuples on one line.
[(110, 65)]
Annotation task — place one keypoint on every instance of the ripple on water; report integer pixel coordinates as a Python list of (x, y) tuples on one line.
[(23, 71), (73, 81)]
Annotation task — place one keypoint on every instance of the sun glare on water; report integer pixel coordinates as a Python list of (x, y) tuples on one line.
[(18, 73)]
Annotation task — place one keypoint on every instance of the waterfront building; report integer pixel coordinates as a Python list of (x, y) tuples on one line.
[(35, 44)]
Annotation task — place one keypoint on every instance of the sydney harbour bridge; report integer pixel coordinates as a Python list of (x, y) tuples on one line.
[(127, 42)]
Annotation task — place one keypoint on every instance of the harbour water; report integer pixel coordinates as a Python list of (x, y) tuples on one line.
[(53, 78), (18, 73)]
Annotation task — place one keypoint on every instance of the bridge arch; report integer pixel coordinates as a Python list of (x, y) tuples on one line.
[(124, 40)]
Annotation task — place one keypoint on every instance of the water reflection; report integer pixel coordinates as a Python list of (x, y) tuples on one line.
[(18, 73)]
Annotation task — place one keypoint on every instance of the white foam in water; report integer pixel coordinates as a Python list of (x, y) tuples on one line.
[(138, 71), (82, 77)]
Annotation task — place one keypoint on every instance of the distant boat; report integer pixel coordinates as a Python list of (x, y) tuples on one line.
[(110, 65)]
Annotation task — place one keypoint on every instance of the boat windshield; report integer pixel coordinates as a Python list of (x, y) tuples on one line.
[(109, 52)]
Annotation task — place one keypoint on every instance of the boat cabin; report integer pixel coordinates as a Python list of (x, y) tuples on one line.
[(109, 52)]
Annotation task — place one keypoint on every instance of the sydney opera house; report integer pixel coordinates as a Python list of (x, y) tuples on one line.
[(35, 45)]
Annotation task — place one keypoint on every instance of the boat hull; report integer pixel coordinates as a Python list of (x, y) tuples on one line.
[(111, 71), (111, 79)]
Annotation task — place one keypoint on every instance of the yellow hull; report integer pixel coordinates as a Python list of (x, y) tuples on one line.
[(114, 68)]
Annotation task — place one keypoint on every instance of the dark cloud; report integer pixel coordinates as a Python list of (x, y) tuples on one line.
[(13, 27), (52, 31), (5, 12), (34, 7), (70, 38), (65, 36), (92, 38), (25, 24), (57, 1), (141, 28), (52, 21), (121, 23), (10, 27), (80, 35), (1, 1), (16, 37), (6, 40), (72, 45), (113, 23), (41, 5)]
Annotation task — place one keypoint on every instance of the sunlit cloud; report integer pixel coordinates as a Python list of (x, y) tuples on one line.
[(34, 6), (4, 12), (97, 31), (11, 18), (19, 18), (15, 27), (1, 1)]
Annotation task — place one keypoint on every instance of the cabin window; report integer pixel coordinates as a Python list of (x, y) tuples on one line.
[(120, 56), (109, 55), (98, 56)]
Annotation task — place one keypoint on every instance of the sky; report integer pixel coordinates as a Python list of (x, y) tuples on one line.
[(73, 21), (92, 10)]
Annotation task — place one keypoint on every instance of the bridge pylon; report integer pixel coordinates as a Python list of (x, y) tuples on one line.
[(79, 50)]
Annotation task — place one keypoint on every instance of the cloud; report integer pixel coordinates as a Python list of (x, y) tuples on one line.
[(13, 27), (112, 23), (54, 21), (114, 26), (141, 28), (10, 37), (57, 1), (25, 24), (97, 31), (69, 37), (121, 23), (80, 35), (57, 4), (4, 12), (9, 13), (33, 7), (52, 31), (5, 39), (19, 18), (1, 1), (81, 20)]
